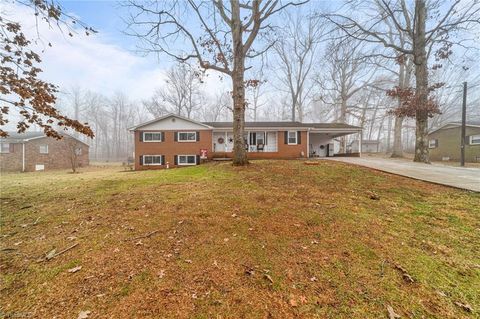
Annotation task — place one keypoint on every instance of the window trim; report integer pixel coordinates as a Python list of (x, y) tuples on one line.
[(477, 137), (7, 146), (186, 141), (152, 141), (186, 164), (288, 137), (40, 149), (434, 143), (152, 164)]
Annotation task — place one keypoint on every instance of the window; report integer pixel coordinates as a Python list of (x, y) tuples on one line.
[(43, 149), (78, 151), (187, 159), (5, 148), (152, 159), (152, 136), (187, 136), (475, 139), (292, 137), (432, 143)]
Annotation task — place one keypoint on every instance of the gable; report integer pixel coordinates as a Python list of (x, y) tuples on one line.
[(172, 122)]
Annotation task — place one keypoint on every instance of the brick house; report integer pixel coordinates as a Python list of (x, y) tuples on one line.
[(444, 142), (33, 151), (173, 141)]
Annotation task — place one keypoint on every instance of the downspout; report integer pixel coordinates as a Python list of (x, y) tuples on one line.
[(23, 157)]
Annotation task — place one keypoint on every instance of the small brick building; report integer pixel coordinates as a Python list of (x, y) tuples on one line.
[(33, 151)]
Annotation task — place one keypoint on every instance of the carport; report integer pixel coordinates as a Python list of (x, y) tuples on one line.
[(330, 139)]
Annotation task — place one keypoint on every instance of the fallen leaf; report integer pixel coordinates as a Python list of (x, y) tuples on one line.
[(268, 277), (293, 302), (391, 313), (50, 254), (464, 306), (84, 314), (75, 269)]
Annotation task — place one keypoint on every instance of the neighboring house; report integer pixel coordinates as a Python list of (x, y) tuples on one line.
[(177, 141), (444, 142), (33, 151), (368, 146)]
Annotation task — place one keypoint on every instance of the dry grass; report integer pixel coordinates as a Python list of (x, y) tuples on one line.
[(276, 239)]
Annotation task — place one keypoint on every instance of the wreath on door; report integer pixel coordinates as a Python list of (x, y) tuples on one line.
[(220, 140)]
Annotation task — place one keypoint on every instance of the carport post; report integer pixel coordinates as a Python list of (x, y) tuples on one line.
[(464, 119), (360, 144)]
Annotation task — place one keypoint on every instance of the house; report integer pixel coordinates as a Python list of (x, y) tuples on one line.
[(444, 142), (173, 140), (34, 151)]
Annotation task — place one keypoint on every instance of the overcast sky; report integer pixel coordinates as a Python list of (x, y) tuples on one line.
[(104, 62)]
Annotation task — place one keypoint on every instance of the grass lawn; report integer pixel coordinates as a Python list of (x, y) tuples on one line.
[(276, 239)]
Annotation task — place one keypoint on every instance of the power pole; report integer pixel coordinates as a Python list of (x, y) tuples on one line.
[(464, 119)]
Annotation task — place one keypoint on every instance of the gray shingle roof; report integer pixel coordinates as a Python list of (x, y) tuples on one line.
[(14, 137), (284, 124)]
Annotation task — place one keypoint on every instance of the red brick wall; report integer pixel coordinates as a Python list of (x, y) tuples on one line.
[(169, 148), (58, 156), (12, 162)]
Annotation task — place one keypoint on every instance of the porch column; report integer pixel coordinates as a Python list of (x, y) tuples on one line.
[(226, 142), (308, 143)]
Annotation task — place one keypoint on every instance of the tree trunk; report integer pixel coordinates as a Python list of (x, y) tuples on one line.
[(238, 74), (397, 137), (421, 76)]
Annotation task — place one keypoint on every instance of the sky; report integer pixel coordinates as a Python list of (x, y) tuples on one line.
[(105, 62)]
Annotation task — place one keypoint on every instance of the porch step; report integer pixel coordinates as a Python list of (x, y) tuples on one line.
[(221, 159)]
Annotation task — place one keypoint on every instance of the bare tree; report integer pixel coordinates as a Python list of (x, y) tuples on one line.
[(180, 95), (345, 75), (296, 49), (219, 36), (72, 150), (411, 18), (218, 108)]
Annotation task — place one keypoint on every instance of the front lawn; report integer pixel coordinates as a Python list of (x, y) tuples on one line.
[(276, 239)]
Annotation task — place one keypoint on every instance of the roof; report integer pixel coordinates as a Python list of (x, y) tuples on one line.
[(456, 124), (133, 128), (264, 124), (15, 137), (284, 124)]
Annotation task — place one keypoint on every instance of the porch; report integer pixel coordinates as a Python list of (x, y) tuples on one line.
[(256, 141)]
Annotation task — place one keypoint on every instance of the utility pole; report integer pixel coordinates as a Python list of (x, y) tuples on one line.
[(464, 119)]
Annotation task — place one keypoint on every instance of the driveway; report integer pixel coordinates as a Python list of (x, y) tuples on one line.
[(460, 177)]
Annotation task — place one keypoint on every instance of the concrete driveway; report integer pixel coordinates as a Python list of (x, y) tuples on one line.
[(460, 177)]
